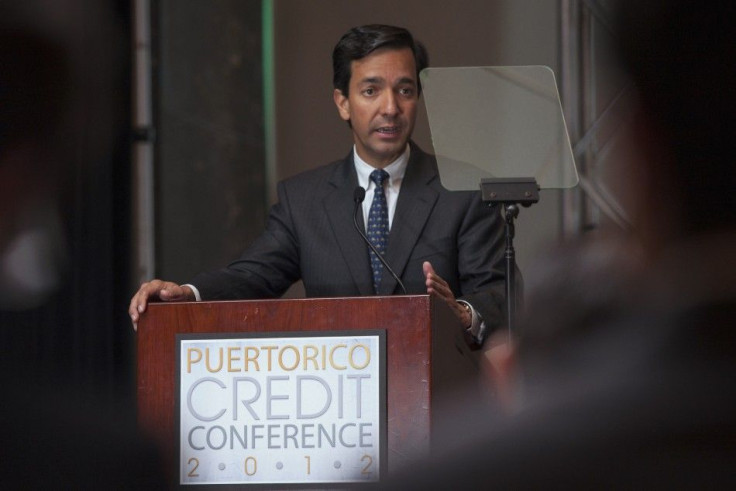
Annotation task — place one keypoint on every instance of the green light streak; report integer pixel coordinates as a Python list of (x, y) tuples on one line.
[(269, 97)]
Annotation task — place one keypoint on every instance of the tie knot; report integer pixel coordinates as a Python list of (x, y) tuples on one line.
[(378, 176)]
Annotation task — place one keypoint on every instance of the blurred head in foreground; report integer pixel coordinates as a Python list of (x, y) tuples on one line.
[(680, 55), (34, 96), (628, 353)]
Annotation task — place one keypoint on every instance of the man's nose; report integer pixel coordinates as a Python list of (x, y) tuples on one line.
[(390, 106)]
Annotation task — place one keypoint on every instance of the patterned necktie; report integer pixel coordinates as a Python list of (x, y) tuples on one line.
[(378, 224)]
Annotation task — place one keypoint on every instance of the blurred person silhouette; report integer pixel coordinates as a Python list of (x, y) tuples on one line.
[(33, 98), (54, 437), (626, 363)]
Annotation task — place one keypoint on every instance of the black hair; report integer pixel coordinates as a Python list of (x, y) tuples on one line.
[(361, 41)]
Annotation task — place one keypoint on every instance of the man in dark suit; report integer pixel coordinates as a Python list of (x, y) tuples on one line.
[(447, 244)]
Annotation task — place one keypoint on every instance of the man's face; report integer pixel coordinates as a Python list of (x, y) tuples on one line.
[(381, 105)]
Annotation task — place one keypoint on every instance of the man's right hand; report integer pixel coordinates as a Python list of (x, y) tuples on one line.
[(157, 289)]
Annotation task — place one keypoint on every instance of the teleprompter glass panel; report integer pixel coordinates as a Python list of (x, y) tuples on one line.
[(498, 122)]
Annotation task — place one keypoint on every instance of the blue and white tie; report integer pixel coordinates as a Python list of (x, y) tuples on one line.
[(378, 224)]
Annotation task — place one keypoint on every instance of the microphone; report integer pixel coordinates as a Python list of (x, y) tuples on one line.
[(358, 197)]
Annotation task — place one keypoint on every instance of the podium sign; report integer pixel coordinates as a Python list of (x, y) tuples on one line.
[(281, 408)]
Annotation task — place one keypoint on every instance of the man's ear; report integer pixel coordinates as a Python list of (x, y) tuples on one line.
[(342, 103)]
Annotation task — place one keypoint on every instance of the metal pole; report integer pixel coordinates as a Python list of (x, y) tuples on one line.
[(512, 211), (142, 151), (570, 86)]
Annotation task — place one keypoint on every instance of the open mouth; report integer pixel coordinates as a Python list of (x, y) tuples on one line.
[(389, 130)]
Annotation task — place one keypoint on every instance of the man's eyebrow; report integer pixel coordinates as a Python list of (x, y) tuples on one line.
[(380, 80), (372, 80)]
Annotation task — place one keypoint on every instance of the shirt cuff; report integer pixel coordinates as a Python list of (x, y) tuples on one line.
[(477, 329), (196, 292)]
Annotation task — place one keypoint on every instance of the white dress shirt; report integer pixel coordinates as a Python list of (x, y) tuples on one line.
[(396, 171)]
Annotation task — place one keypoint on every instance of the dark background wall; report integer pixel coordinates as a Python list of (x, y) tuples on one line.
[(210, 182)]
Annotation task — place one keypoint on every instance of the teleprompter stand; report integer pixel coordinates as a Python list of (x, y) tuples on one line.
[(510, 193), (519, 130)]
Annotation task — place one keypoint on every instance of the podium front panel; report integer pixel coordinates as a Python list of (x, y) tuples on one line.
[(410, 323)]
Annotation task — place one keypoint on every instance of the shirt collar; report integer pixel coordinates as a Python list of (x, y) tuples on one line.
[(395, 169)]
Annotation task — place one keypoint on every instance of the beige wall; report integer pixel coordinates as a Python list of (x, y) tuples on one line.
[(456, 33)]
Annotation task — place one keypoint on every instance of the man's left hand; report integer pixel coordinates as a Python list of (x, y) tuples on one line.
[(438, 288)]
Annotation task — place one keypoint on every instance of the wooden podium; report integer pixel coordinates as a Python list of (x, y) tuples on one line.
[(426, 355)]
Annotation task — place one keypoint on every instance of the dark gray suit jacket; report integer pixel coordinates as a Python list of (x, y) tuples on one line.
[(310, 236)]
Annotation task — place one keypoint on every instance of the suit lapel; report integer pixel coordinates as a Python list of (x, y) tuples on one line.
[(339, 206), (415, 204)]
